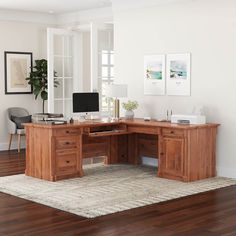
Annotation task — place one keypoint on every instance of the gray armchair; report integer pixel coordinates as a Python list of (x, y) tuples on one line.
[(12, 126)]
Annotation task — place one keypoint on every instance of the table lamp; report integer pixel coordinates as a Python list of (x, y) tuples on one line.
[(116, 91)]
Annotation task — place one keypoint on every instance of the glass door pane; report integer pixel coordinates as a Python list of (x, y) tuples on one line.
[(60, 60), (58, 106), (58, 91), (68, 88)]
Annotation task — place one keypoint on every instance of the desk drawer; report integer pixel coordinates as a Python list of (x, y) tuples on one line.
[(66, 162), (144, 129), (66, 132), (66, 143), (173, 132)]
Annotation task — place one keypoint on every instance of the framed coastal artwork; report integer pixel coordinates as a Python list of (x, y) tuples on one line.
[(18, 66), (154, 75), (178, 74)]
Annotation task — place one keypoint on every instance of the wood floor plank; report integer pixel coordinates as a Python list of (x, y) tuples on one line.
[(210, 213)]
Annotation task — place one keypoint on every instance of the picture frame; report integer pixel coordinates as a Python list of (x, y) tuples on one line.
[(178, 68), (18, 66), (154, 74)]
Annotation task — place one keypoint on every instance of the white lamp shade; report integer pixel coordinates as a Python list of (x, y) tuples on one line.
[(115, 90)]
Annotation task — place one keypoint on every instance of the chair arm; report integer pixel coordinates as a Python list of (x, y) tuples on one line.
[(11, 126)]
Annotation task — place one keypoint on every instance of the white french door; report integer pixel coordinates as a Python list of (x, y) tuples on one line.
[(63, 66)]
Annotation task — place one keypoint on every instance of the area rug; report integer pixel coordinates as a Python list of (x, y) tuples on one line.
[(106, 189)]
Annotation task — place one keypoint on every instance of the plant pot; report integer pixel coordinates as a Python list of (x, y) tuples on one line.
[(129, 115)]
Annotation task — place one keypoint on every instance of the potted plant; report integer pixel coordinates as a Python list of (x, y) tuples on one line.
[(39, 81), (129, 107)]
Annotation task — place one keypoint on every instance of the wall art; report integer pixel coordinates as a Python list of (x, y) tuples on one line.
[(18, 66), (178, 74), (154, 75)]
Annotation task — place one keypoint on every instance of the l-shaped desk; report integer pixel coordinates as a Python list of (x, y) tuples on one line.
[(184, 152)]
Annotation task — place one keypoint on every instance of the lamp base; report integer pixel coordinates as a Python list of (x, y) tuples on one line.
[(116, 108)]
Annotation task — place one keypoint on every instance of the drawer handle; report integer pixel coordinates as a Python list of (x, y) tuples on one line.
[(172, 132), (67, 162), (67, 143), (67, 131)]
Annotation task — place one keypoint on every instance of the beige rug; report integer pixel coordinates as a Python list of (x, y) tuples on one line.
[(106, 189)]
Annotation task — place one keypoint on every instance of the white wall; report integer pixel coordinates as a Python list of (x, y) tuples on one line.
[(103, 14), (206, 29), (22, 37)]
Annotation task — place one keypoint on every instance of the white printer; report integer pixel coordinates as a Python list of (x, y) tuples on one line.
[(188, 119)]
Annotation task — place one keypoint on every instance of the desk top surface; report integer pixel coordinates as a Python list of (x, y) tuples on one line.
[(105, 122)]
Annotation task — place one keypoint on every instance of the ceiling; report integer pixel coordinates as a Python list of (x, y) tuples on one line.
[(52, 6)]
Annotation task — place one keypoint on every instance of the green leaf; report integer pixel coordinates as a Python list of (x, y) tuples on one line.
[(38, 79), (44, 95)]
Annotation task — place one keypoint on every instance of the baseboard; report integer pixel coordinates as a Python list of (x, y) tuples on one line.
[(4, 146), (148, 161), (226, 172), (221, 171)]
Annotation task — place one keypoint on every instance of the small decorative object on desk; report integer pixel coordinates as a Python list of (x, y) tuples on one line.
[(71, 120), (129, 107)]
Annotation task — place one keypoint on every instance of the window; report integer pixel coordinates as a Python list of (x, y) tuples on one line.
[(106, 77)]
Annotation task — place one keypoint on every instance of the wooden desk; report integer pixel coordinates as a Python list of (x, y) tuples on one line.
[(184, 152)]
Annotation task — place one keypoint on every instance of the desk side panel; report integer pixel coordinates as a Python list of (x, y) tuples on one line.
[(95, 146), (45, 151), (118, 149), (201, 150), (133, 150), (30, 159), (38, 153), (148, 145)]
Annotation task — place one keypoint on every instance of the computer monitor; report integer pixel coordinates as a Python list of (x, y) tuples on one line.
[(85, 102)]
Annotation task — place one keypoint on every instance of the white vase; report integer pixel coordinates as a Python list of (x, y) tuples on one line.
[(129, 115)]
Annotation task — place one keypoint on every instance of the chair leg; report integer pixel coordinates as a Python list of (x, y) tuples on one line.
[(10, 141), (19, 139)]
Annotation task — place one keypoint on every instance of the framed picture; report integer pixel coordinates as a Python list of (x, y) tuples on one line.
[(178, 74), (154, 75), (18, 66)]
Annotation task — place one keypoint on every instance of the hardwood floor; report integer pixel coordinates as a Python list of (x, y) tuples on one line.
[(12, 162), (210, 213)]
